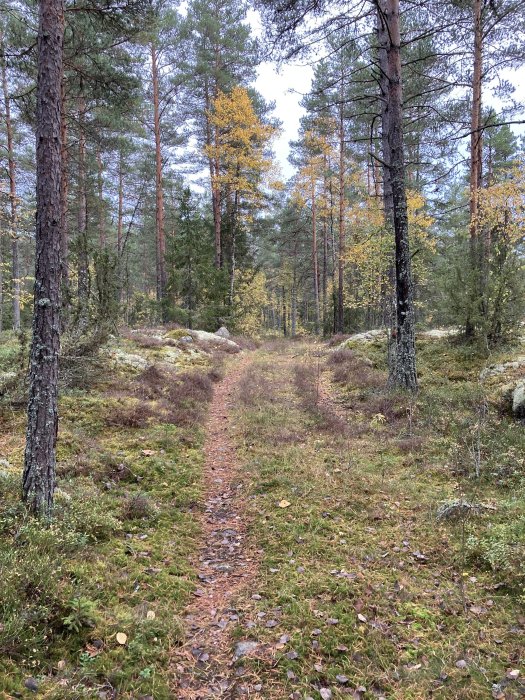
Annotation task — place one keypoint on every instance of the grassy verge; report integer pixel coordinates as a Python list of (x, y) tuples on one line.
[(90, 604), (377, 579)]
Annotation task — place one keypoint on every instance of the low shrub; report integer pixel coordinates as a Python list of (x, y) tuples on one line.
[(136, 415), (138, 507)]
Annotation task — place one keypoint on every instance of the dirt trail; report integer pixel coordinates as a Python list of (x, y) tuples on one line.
[(204, 665)]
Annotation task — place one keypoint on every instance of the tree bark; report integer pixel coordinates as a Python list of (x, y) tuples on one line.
[(340, 318), (159, 194), (475, 182), (388, 287), (11, 171), (64, 233), (100, 187), (315, 261), (120, 214), (403, 371), (83, 284), (42, 424), (120, 224)]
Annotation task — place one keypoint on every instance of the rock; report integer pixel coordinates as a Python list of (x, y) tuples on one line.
[(128, 360), (518, 401), (31, 684), (6, 377), (186, 339), (367, 336), (172, 355), (494, 370), (206, 337), (244, 648), (438, 333), (223, 332)]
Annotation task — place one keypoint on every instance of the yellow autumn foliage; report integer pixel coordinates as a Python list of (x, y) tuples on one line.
[(240, 145), (251, 296)]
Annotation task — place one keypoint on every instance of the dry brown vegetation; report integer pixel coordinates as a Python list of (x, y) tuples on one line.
[(350, 369)]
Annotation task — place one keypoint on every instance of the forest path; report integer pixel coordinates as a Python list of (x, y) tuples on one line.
[(225, 565)]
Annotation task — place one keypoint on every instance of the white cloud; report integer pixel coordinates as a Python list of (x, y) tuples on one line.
[(285, 87)]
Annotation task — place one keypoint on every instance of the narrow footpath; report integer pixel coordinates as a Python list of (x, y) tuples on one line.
[(205, 664)]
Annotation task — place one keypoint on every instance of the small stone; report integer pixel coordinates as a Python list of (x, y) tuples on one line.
[(31, 684), (244, 648), (461, 664)]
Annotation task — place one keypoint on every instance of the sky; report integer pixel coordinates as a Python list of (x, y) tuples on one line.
[(285, 87)]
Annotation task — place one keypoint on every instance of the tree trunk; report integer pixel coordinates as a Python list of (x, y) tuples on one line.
[(403, 372), (64, 190), (211, 143), (1, 278), (100, 187), (285, 314), (159, 194), (340, 318), (120, 213), (11, 171), (388, 287), (315, 262), (83, 285), (42, 424), (476, 146), (120, 222)]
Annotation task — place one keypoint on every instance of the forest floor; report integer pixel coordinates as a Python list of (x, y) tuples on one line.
[(307, 536)]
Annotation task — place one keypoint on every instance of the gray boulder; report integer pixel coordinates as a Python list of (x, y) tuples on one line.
[(518, 401), (205, 337), (494, 370), (223, 332)]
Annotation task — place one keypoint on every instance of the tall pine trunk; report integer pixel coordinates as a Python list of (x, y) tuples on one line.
[(476, 146), (11, 171), (64, 232), (100, 187), (388, 286), (42, 424), (340, 318), (159, 194), (315, 262), (403, 367), (83, 284)]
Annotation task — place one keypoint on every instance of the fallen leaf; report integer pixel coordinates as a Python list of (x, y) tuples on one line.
[(122, 638), (361, 618), (513, 674), (284, 504), (150, 615)]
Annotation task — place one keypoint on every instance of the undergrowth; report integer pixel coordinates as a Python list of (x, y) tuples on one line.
[(370, 593), (114, 560)]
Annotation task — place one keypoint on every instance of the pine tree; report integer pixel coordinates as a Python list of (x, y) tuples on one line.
[(42, 425)]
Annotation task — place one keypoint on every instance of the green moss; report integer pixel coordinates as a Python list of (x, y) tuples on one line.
[(70, 587)]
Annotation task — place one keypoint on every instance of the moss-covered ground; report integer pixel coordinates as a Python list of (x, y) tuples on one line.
[(390, 530), (389, 568), (90, 604)]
